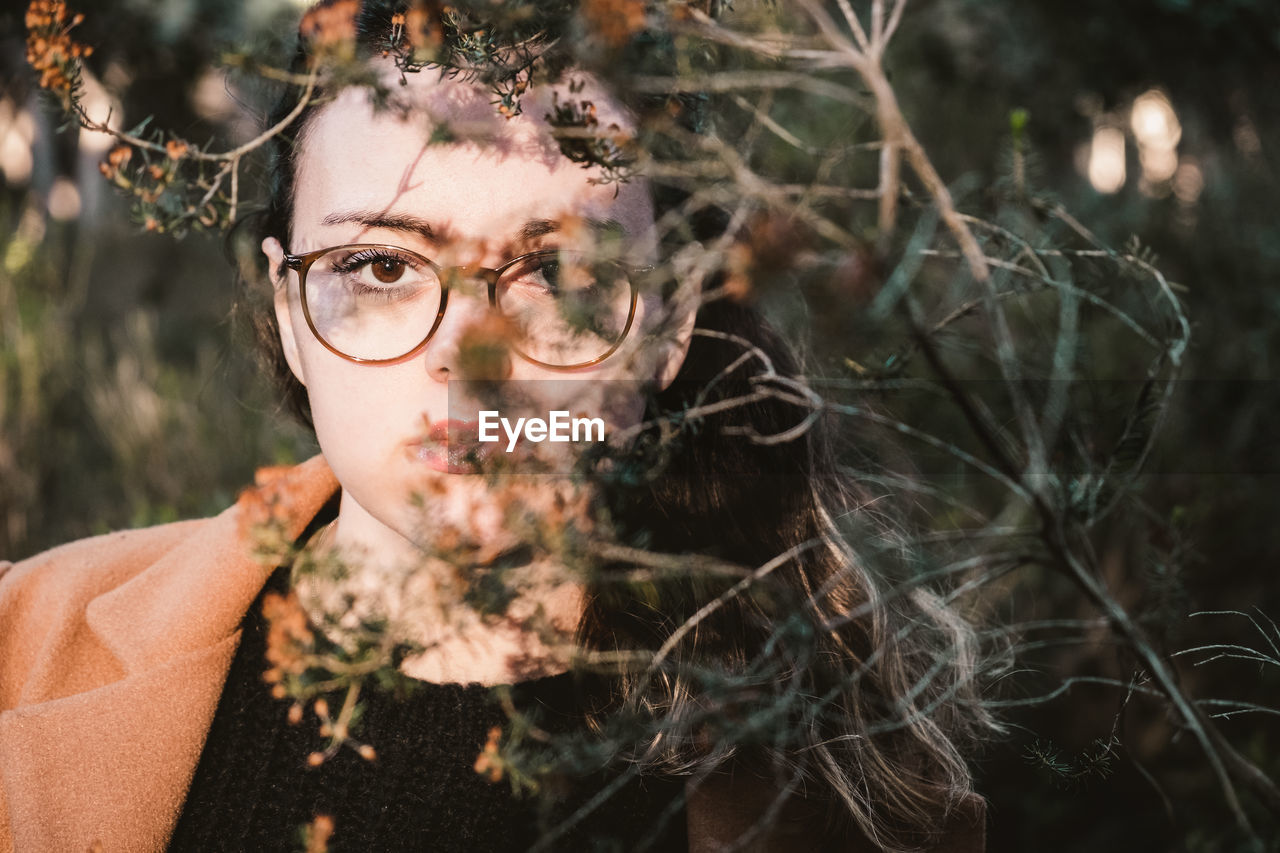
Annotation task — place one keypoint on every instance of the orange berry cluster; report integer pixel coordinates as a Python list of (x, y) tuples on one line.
[(610, 149), (288, 639), (418, 30), (489, 761), (331, 28), (51, 50), (615, 21), (318, 833)]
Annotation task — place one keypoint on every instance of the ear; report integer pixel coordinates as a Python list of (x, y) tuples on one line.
[(283, 304), (682, 312), (682, 309)]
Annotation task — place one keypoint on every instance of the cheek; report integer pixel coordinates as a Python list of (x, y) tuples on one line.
[(334, 406), (356, 410)]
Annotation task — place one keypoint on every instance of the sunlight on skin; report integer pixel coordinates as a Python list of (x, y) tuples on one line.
[(459, 203)]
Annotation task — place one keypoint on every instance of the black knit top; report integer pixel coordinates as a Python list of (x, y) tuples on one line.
[(254, 791)]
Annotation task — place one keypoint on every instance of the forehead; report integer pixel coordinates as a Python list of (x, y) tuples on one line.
[(491, 177)]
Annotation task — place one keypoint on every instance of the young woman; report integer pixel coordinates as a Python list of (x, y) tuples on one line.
[(433, 260)]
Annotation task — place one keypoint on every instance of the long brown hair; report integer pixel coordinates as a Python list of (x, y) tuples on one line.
[(804, 664)]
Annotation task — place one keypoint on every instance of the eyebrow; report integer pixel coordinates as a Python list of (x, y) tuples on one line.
[(535, 228), (389, 221), (530, 231)]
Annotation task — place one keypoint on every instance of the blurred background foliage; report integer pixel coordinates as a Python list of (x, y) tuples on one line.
[(129, 393), (1078, 68)]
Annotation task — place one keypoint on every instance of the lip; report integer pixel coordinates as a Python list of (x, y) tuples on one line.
[(452, 446)]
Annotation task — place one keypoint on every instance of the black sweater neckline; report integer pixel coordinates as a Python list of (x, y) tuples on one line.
[(253, 789)]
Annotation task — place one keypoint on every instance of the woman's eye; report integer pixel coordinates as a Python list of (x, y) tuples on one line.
[(387, 270), (378, 271), (546, 275), (534, 278)]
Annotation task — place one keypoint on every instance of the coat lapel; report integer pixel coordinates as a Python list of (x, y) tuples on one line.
[(109, 759)]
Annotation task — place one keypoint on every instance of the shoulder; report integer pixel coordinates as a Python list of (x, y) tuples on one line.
[(85, 568), (96, 557), (44, 600), (95, 565), (128, 598)]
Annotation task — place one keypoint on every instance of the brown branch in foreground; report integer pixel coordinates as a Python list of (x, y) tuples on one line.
[(898, 135), (234, 154), (895, 130), (176, 150), (890, 178)]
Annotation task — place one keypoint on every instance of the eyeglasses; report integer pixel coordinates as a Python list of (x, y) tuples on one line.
[(370, 302)]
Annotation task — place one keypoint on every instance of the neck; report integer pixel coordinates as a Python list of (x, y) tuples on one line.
[(507, 621)]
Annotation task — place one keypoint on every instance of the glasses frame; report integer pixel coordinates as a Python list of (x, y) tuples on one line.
[(490, 275)]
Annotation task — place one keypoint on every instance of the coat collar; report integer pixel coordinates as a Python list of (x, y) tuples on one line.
[(117, 702)]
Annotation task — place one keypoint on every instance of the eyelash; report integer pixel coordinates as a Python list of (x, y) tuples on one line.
[(368, 256)]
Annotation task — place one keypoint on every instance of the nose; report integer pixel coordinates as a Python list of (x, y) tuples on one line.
[(471, 341)]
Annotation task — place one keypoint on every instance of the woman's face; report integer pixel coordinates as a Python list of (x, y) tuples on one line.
[(500, 190)]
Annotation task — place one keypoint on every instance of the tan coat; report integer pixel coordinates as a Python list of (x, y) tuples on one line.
[(113, 654)]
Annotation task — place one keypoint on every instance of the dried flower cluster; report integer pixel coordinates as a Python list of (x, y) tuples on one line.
[(288, 639), (583, 141), (489, 762), (262, 508), (52, 52), (331, 30), (615, 21), (767, 247), (172, 191), (317, 834), (417, 33), (304, 667), (174, 184)]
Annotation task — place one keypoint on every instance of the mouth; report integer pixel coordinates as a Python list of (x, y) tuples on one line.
[(452, 447)]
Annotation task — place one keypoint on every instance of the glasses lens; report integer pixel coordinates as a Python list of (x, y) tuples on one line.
[(372, 302), (567, 307)]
